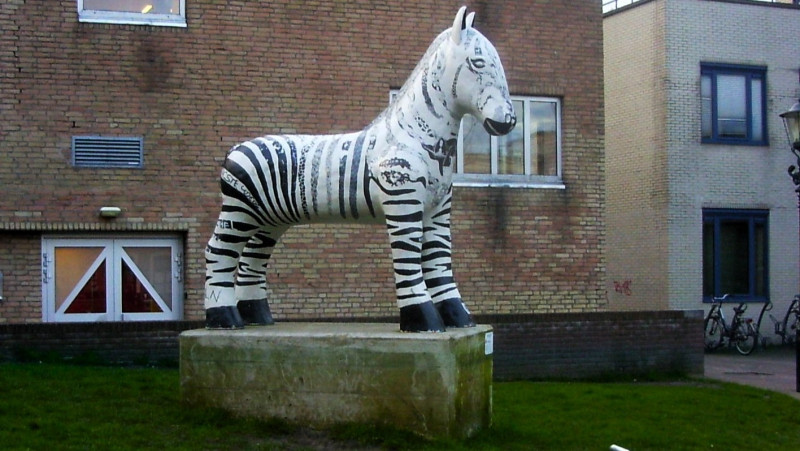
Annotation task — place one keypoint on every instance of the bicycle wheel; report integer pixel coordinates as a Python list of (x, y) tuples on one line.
[(713, 334), (789, 329), (745, 338)]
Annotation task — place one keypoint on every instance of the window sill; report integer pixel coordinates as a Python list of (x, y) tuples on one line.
[(733, 142), (499, 181), (110, 17)]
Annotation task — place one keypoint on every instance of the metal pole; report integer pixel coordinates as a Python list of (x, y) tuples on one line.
[(797, 359)]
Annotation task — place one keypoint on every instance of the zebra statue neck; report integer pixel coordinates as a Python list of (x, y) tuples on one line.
[(423, 113)]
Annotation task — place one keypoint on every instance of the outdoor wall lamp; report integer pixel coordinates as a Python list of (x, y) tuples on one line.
[(110, 212), (791, 120)]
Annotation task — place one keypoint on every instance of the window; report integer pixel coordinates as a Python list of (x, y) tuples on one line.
[(531, 152), (733, 104), (735, 254), (106, 279), (170, 13)]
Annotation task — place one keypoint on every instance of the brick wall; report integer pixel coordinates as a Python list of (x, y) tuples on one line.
[(636, 177), (243, 69), (539, 346), (597, 345)]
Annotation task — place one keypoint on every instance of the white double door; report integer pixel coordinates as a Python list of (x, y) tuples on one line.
[(112, 279)]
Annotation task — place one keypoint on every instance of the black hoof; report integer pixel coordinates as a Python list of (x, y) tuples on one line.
[(454, 313), (223, 318), (420, 318), (255, 312)]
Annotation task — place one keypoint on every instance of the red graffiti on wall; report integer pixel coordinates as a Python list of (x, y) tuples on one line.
[(623, 287)]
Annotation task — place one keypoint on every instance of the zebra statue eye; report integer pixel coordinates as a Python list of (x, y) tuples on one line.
[(477, 63)]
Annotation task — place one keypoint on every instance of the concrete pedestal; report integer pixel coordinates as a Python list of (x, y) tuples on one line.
[(321, 374)]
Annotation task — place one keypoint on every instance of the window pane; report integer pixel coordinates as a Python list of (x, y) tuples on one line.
[(731, 106), (761, 259), (705, 97), (708, 259), (71, 264), (734, 258), (543, 129), (92, 297), (477, 147), (135, 298), (155, 264), (755, 106), (511, 147), (135, 6)]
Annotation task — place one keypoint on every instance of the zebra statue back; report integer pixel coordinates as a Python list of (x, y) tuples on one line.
[(398, 170)]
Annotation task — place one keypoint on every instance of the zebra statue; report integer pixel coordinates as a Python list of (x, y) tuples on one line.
[(398, 170)]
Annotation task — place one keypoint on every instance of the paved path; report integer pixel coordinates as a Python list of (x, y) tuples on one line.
[(773, 368)]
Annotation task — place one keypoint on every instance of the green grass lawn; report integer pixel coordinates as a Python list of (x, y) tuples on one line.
[(52, 406)]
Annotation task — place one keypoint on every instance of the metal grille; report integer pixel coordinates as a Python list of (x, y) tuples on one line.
[(106, 152)]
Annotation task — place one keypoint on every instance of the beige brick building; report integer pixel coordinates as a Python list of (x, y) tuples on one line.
[(699, 200)]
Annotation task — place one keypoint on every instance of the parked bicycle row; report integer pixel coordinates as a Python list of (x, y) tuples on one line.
[(744, 333)]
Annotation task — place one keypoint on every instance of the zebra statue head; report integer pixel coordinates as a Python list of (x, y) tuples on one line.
[(478, 84)]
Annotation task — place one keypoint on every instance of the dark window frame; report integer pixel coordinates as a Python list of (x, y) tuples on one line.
[(757, 291), (750, 73)]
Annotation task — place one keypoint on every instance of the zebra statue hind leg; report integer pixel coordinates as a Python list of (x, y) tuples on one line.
[(251, 278)]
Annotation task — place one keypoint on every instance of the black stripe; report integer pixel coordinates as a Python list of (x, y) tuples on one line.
[(222, 284), (221, 252), (293, 181), (402, 245), (436, 282), (406, 231), (441, 212), (366, 179), (407, 272), (410, 296), (447, 290), (410, 283), (354, 175), (286, 182), (410, 217), (403, 202), (435, 245), (228, 238), (342, 170)]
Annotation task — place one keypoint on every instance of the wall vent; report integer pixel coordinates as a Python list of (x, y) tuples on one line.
[(107, 152)]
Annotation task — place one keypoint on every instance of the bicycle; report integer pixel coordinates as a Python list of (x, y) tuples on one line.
[(740, 333), (787, 328)]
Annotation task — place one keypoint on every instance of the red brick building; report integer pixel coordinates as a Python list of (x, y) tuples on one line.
[(194, 80)]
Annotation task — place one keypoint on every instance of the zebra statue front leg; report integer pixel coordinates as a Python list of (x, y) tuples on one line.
[(437, 266), (403, 180)]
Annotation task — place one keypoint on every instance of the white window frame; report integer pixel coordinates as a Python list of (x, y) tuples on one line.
[(113, 256), (132, 18), (527, 180)]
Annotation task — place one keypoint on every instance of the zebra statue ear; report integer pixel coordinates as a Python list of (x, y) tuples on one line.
[(470, 19), (458, 24)]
